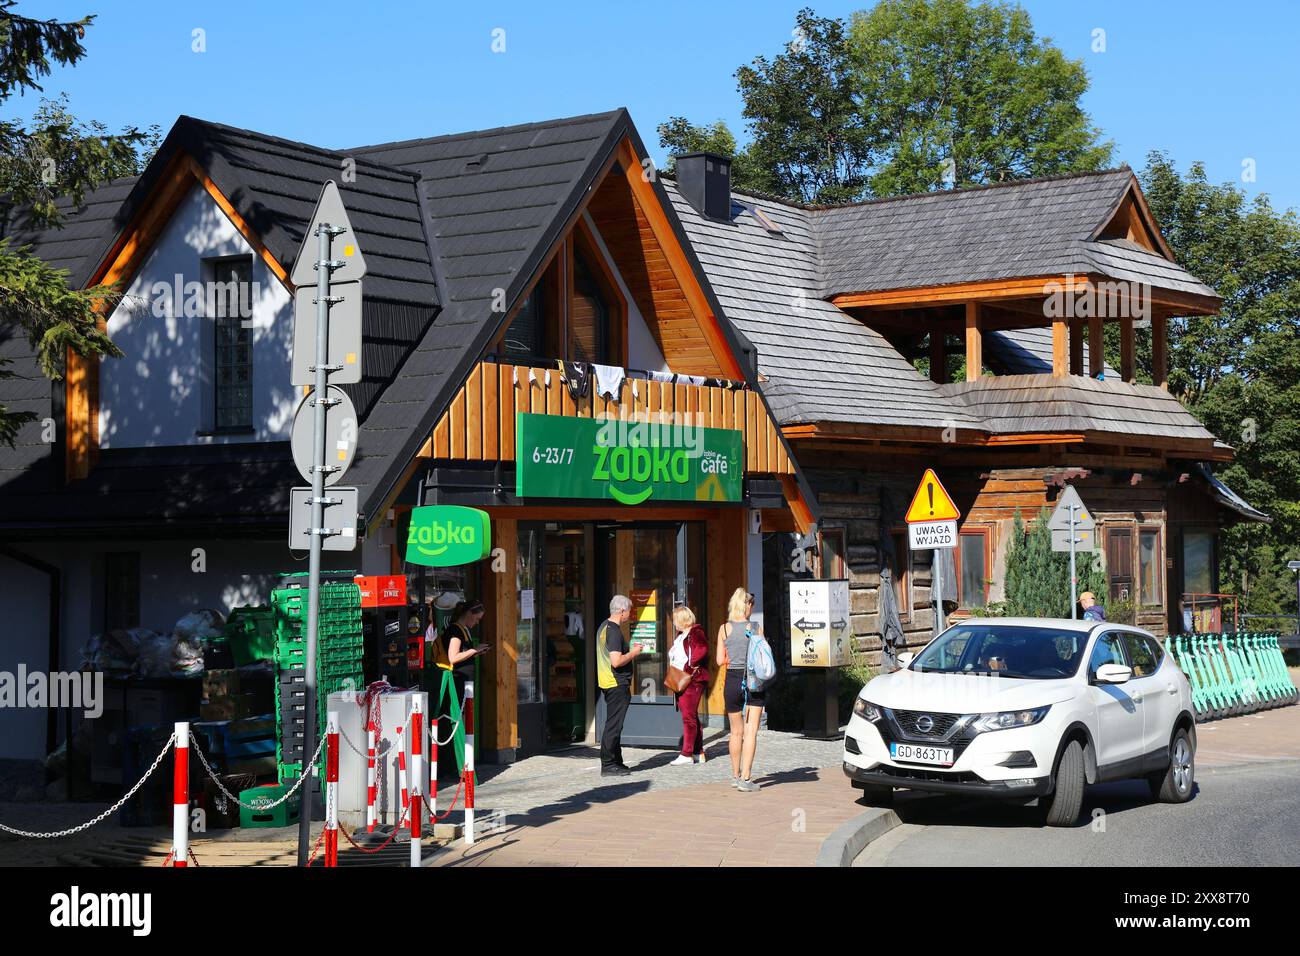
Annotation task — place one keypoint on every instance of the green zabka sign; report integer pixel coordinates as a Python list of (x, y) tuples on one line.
[(628, 462), (444, 536)]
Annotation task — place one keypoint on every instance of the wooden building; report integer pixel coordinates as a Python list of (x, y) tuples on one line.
[(962, 331)]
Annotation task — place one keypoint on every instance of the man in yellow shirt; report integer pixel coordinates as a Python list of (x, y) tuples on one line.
[(614, 677)]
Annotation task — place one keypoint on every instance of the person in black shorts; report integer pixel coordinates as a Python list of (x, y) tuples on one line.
[(744, 707)]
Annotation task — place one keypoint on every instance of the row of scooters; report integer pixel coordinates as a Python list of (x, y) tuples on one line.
[(1234, 673)]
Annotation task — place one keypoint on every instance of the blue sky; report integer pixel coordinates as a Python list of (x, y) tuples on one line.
[(1213, 81)]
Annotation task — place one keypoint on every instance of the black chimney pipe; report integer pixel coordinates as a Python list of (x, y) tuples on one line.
[(704, 180)]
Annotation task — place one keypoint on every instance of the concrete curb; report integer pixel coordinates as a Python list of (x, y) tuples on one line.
[(849, 839)]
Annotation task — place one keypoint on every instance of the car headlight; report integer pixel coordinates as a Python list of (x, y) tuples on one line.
[(1010, 718), (867, 710)]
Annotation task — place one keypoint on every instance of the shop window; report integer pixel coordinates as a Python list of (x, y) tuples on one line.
[(1199, 562), (121, 589), (830, 554), (972, 560), (232, 370), (1150, 567)]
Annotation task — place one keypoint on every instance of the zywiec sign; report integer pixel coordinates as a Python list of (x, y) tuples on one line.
[(444, 536), (819, 623), (624, 461), (382, 590)]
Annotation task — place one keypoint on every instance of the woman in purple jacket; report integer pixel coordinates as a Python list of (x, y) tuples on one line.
[(689, 652)]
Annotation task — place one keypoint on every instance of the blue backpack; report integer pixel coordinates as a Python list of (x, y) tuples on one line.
[(760, 665)]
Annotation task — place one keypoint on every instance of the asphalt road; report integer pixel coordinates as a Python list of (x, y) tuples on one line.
[(1247, 815)]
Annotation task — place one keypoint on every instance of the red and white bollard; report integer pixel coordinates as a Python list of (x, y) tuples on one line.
[(468, 717), (181, 795), (401, 765), (371, 788), (417, 766), (332, 790), (434, 724)]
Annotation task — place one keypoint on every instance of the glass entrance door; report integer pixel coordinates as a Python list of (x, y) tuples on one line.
[(659, 567)]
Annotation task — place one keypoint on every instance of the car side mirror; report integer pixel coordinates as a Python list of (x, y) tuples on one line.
[(1113, 674), (905, 659)]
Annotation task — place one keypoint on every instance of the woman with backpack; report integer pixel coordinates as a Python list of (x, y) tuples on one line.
[(687, 655), (744, 706)]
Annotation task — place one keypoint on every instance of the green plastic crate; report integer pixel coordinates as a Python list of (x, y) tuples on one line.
[(251, 634)]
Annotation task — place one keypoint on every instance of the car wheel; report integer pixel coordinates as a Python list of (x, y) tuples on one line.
[(1175, 784), (875, 796), (1063, 806)]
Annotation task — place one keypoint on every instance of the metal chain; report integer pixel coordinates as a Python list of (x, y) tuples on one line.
[(261, 806), (109, 812), (396, 830)]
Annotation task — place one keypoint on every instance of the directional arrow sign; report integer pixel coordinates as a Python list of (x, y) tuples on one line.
[(329, 211), (1060, 519), (340, 434), (806, 625), (931, 501), (344, 348)]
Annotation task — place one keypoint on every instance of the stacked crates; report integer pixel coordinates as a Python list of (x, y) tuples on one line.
[(339, 648)]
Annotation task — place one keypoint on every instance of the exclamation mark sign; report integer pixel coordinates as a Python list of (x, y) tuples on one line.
[(929, 490)]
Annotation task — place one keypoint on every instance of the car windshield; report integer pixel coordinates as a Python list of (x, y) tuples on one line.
[(1034, 653)]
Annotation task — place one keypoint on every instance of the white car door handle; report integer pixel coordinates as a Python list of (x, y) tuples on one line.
[(1137, 698), (1171, 688)]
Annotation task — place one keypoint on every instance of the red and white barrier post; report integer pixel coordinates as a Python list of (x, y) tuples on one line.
[(181, 795), (371, 787), (434, 724), (401, 765), (468, 717), (332, 790), (416, 767)]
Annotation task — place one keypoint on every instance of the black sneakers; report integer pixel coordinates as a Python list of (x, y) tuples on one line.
[(615, 771)]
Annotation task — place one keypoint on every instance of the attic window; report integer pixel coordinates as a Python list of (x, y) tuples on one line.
[(763, 218), (476, 162)]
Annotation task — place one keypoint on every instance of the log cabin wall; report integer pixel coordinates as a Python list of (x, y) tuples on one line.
[(988, 499)]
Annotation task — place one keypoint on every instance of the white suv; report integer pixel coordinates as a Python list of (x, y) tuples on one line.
[(1025, 709)]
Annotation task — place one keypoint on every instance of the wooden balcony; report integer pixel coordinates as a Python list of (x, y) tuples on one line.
[(480, 423)]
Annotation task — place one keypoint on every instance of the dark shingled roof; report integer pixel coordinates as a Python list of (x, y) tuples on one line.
[(443, 223), (1034, 227), (823, 364)]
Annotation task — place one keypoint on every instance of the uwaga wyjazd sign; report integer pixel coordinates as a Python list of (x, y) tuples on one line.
[(625, 461), (444, 536)]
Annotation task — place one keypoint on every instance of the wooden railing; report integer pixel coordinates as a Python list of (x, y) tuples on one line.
[(480, 424)]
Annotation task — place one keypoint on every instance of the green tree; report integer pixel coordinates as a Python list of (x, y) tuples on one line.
[(680, 136), (1038, 578), (909, 96), (959, 94), (52, 157), (1239, 371)]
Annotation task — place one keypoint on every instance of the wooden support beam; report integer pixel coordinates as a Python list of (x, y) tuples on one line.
[(1096, 347), (1060, 349), (974, 343), (938, 358), (1159, 349), (1127, 351), (1076, 346), (500, 707)]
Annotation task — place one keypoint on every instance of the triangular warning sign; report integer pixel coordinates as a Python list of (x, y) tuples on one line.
[(931, 502)]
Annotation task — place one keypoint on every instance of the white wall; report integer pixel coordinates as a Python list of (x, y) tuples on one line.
[(25, 593), (160, 393)]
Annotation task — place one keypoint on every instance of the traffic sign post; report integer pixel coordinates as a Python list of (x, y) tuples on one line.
[(1072, 525), (932, 526), (333, 419)]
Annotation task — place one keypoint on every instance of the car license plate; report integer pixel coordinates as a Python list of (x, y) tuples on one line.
[(939, 756)]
